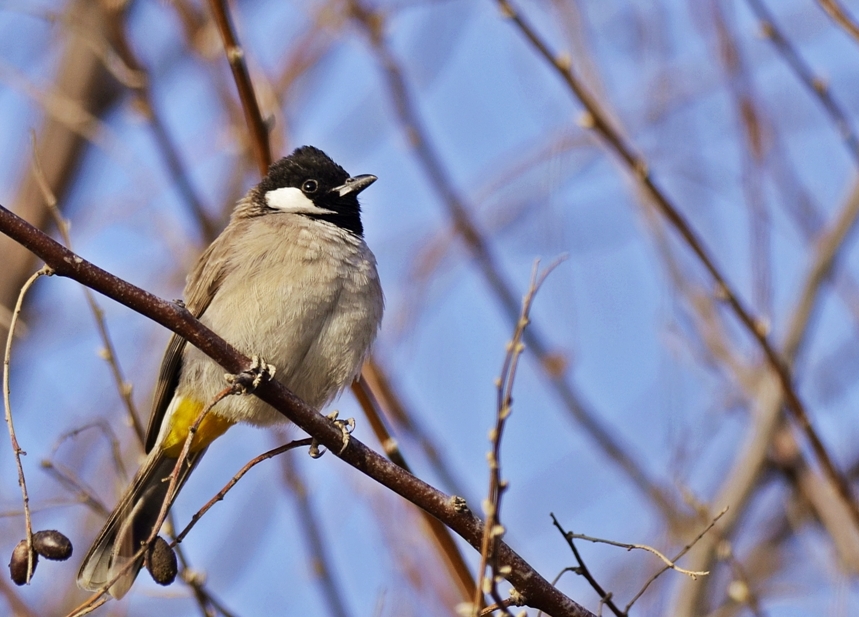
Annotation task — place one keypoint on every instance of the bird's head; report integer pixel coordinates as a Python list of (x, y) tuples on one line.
[(309, 183)]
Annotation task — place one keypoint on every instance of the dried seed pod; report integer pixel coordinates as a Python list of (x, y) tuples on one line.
[(161, 562), (18, 563), (51, 544)]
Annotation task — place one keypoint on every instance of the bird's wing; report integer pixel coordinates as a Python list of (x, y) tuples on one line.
[(203, 284)]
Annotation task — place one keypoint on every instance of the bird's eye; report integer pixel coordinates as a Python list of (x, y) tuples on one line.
[(310, 186)]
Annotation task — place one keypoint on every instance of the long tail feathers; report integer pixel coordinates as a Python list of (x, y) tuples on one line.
[(130, 525)]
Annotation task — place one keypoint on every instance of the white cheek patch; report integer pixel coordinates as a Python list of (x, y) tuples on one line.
[(291, 199)]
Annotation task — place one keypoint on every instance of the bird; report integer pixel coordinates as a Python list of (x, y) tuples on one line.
[(290, 279)]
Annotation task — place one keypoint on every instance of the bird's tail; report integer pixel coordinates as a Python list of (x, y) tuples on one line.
[(131, 523)]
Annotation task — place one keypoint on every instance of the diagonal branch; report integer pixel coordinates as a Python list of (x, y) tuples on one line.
[(236, 58), (817, 86), (536, 591), (839, 15)]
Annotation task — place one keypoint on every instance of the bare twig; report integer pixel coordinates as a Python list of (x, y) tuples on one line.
[(91, 604), (223, 492), (740, 589), (391, 403), (173, 487), (498, 606), (574, 570), (606, 598), (670, 563), (7, 406), (839, 15), (106, 431), (644, 547), (98, 597), (535, 590), (815, 85), (752, 126), (493, 529), (205, 599), (69, 479)]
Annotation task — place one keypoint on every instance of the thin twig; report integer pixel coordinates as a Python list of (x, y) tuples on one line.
[(222, 493), (173, 487), (815, 85), (98, 597), (7, 406), (206, 601), (575, 570), (751, 126), (839, 15), (493, 529), (644, 547), (597, 119), (673, 561), (606, 598), (70, 481), (498, 606), (90, 605), (391, 403), (746, 594), (103, 427)]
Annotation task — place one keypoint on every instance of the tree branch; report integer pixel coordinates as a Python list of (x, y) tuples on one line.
[(536, 590)]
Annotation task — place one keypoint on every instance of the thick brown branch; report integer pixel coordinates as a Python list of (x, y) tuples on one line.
[(536, 590)]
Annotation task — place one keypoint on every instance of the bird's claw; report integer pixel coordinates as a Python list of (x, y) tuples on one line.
[(248, 380), (346, 427)]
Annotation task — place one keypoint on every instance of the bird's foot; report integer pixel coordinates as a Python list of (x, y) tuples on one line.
[(248, 380), (346, 427)]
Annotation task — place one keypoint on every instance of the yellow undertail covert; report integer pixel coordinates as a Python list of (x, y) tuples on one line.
[(181, 420)]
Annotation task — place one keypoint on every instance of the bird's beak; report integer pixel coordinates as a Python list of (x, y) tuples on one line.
[(355, 185)]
